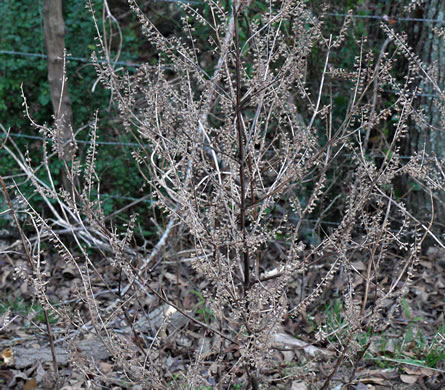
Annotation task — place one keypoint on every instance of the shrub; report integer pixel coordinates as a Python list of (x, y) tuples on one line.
[(244, 158)]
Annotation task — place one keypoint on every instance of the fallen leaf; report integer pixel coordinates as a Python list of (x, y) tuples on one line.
[(298, 386), (374, 380), (284, 340), (105, 368), (427, 371), (30, 384), (359, 265), (410, 379), (411, 370), (7, 356)]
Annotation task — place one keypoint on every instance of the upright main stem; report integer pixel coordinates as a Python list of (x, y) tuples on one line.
[(242, 159)]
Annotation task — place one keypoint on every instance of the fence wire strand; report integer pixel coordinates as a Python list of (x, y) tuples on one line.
[(386, 18), (129, 64)]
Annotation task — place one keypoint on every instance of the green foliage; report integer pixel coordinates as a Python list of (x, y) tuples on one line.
[(411, 348), (335, 320), (33, 312), (203, 311), (24, 33)]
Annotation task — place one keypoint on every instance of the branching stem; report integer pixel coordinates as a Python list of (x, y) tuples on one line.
[(242, 157)]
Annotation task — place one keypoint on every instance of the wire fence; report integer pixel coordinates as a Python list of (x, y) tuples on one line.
[(390, 19), (135, 65), (129, 64), (386, 18), (112, 143), (107, 197), (69, 58)]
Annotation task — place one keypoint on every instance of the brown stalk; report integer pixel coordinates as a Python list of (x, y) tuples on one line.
[(337, 363), (242, 158), (33, 266), (191, 318), (372, 262)]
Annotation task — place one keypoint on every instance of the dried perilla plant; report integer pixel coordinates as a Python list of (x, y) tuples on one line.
[(243, 152)]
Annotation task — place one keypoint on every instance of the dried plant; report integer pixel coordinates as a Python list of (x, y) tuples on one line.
[(246, 157)]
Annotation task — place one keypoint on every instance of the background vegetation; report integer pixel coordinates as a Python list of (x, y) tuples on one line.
[(416, 335)]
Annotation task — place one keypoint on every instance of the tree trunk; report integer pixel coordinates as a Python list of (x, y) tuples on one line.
[(430, 48), (429, 137), (54, 28)]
